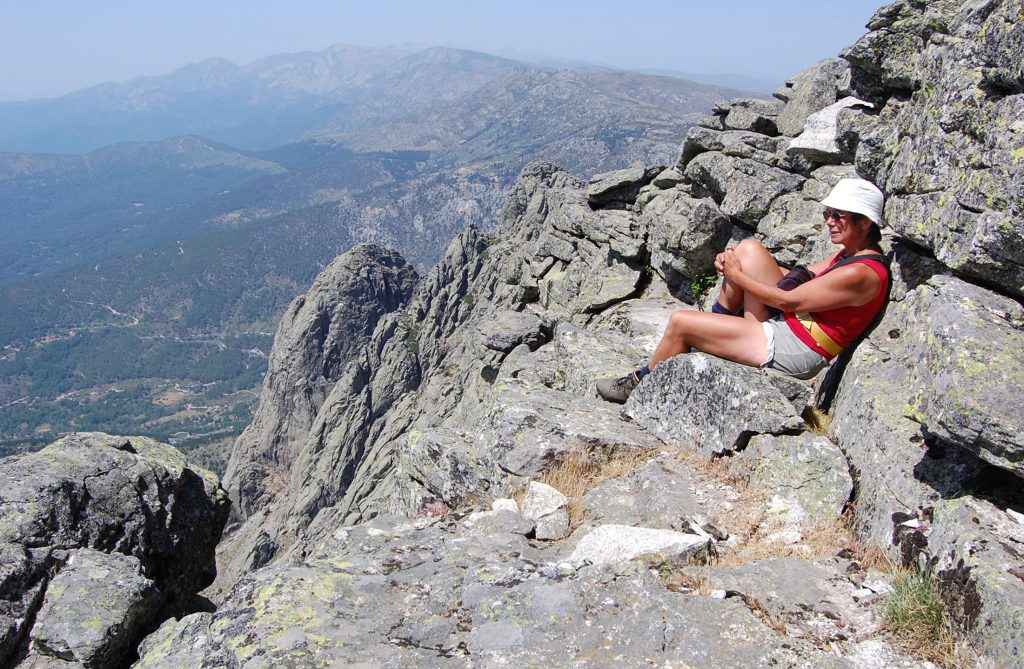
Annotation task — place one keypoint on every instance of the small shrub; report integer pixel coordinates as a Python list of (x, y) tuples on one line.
[(701, 284)]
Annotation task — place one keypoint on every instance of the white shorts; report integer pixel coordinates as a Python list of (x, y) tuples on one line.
[(787, 354)]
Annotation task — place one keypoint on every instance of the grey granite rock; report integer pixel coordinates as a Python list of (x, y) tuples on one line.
[(809, 91), (663, 494), (814, 599), (321, 332), (685, 236), (961, 346), (542, 500), (621, 185), (505, 504), (574, 359), (915, 379), (753, 114), (954, 170), (699, 402), (667, 178), (510, 329), (95, 608), (527, 429), (497, 521), (743, 188), (805, 474), (125, 495), (553, 526), (736, 144), (447, 463), (976, 553), (640, 320), (397, 593)]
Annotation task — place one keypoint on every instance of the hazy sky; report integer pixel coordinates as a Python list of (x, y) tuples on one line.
[(51, 47)]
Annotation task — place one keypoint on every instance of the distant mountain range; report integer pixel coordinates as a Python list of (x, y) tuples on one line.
[(273, 101), (186, 238)]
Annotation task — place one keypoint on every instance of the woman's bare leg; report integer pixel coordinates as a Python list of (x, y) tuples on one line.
[(741, 340), (758, 264)]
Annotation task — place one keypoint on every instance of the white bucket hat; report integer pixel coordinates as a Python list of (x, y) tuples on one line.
[(859, 197)]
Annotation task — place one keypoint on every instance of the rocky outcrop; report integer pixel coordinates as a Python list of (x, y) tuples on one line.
[(319, 335), (483, 382), (102, 537), (418, 593)]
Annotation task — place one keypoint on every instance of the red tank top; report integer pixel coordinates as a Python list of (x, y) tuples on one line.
[(845, 324)]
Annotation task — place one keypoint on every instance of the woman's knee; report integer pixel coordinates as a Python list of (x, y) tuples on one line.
[(750, 247), (677, 323)]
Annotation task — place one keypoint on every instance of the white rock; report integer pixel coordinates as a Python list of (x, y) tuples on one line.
[(553, 526), (788, 537), (505, 504), (818, 140), (879, 586), (1019, 517), (541, 499), (618, 543)]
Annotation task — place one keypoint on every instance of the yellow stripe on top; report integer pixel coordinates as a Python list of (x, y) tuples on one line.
[(818, 334)]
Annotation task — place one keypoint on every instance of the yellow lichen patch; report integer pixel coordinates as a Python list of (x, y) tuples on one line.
[(1017, 154)]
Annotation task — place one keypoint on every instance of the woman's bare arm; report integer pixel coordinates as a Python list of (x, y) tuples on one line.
[(848, 286)]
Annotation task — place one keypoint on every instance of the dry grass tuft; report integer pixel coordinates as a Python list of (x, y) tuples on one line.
[(688, 583), (817, 421), (916, 618), (581, 471), (716, 468), (759, 610)]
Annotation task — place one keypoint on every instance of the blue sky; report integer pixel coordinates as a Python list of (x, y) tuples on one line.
[(51, 47)]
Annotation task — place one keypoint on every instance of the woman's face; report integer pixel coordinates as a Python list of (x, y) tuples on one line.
[(844, 228)]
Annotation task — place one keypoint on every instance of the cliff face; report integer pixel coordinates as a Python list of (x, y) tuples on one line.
[(480, 379)]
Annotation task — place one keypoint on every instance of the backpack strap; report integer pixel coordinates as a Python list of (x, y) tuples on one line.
[(852, 259)]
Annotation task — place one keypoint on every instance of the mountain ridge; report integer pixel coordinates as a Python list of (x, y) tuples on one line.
[(295, 89)]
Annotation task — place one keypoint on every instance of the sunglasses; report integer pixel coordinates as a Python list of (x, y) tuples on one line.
[(835, 214)]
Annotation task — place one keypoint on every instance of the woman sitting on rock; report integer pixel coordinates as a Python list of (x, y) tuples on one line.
[(795, 330)]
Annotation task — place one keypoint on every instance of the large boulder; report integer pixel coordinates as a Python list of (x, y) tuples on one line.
[(810, 91), (743, 188), (975, 550), (708, 405), (735, 143), (94, 608), (960, 346), (806, 475), (84, 496), (934, 389)]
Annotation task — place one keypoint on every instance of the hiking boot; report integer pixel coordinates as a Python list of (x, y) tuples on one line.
[(618, 390)]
